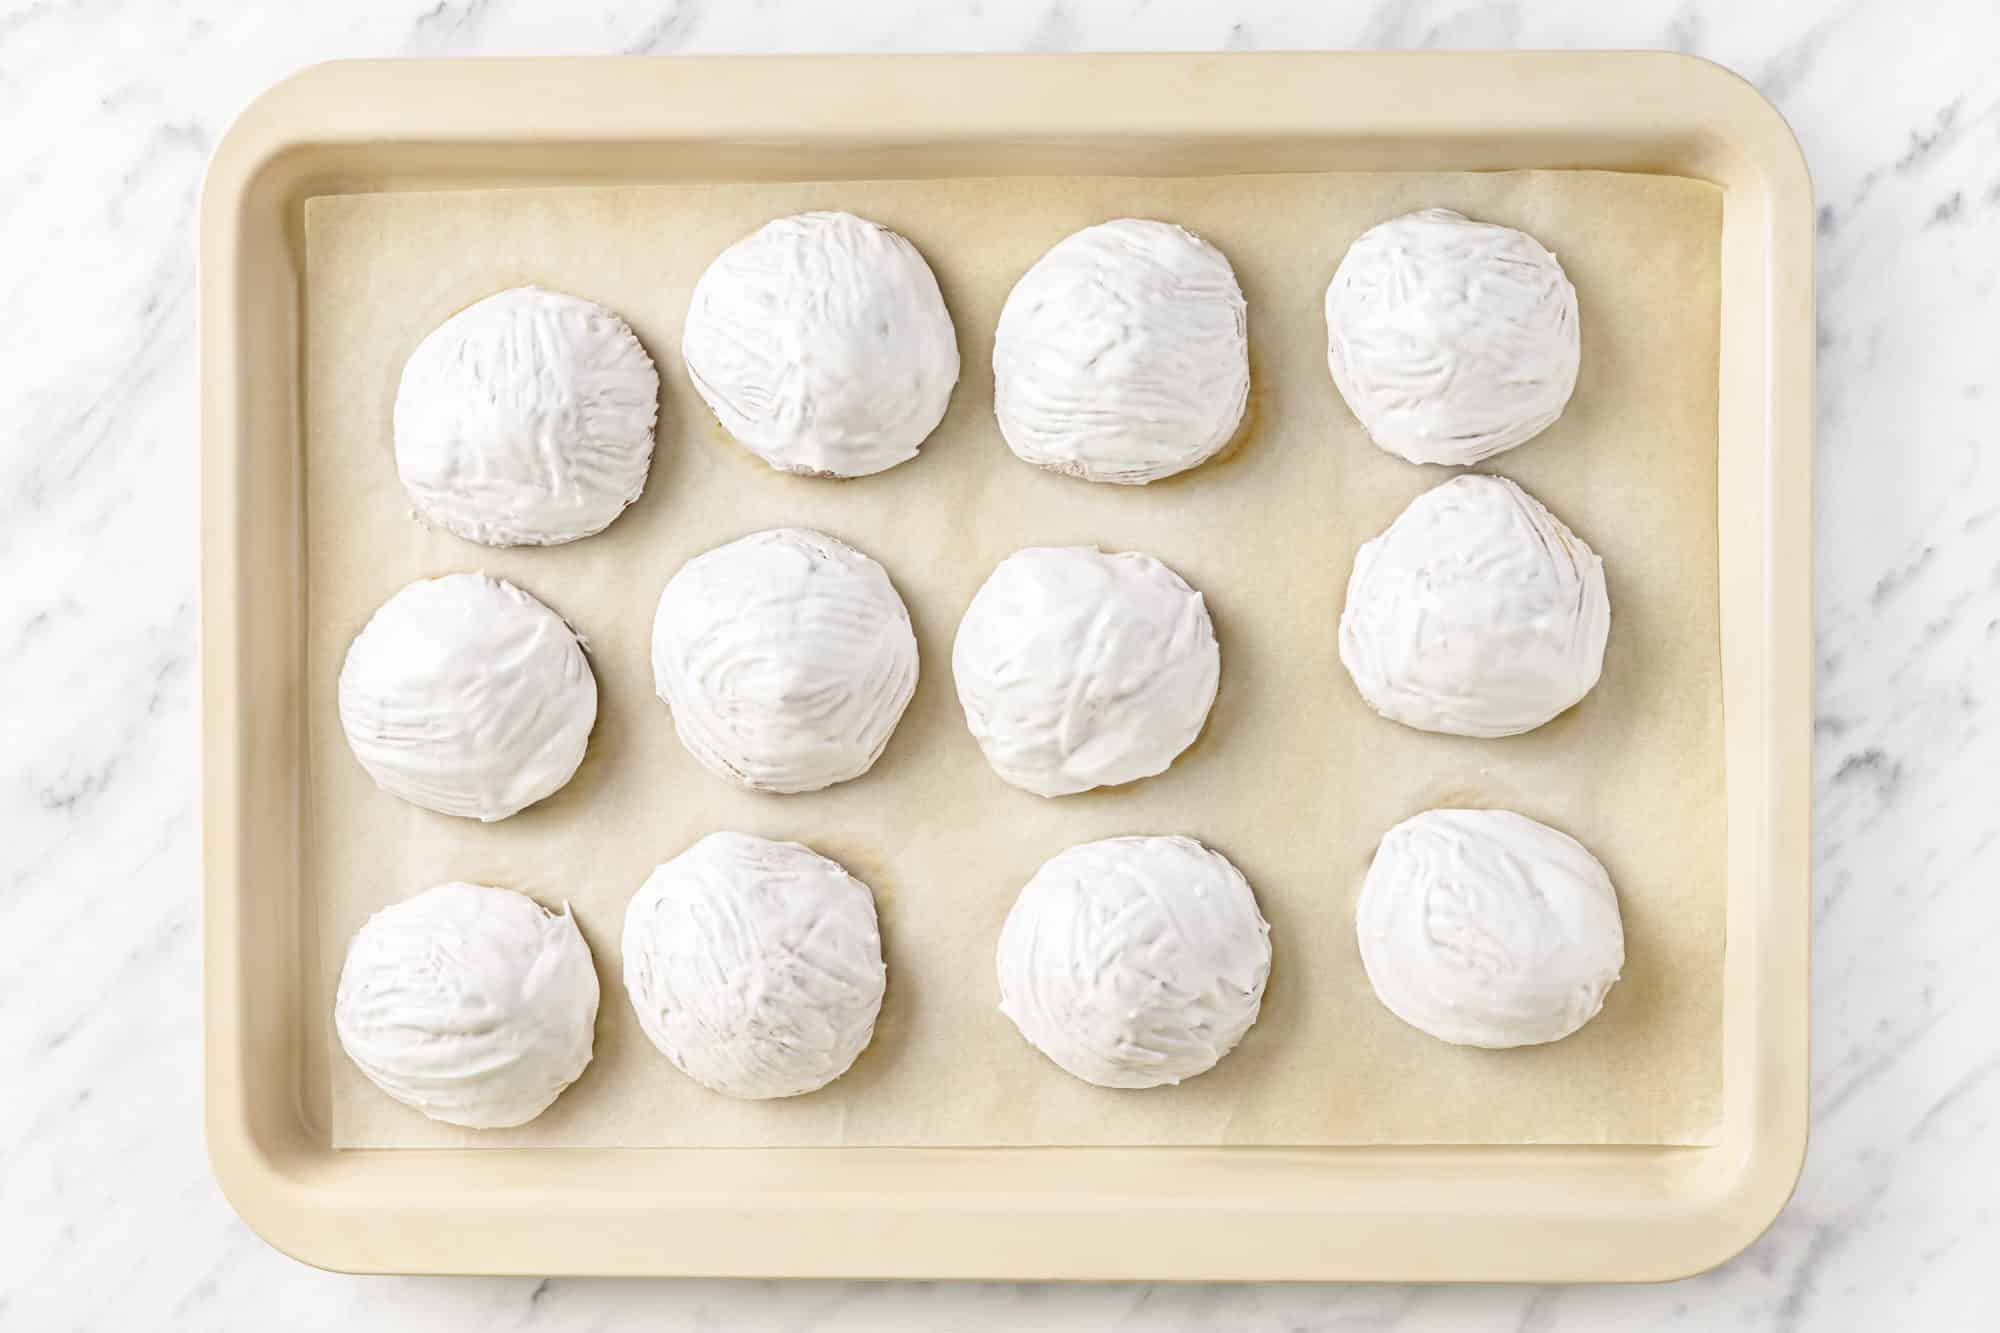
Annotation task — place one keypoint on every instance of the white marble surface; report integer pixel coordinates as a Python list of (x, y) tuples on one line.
[(108, 108)]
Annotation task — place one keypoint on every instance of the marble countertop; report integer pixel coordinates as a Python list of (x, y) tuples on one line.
[(108, 1214)]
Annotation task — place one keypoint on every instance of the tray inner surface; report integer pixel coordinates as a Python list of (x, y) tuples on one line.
[(1294, 778)]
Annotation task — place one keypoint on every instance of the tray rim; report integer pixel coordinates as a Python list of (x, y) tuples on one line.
[(1491, 1213)]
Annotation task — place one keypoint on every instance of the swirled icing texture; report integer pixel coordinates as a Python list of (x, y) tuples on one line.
[(1451, 340), (755, 966), (822, 344), (1485, 928), (466, 696), (1078, 669), (1477, 613), (1123, 355), (474, 1005), (526, 419), (787, 659), (1134, 962)]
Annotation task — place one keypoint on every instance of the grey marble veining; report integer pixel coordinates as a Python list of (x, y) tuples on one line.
[(108, 1217)]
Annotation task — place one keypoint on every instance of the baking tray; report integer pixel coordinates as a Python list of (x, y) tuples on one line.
[(1433, 1213)]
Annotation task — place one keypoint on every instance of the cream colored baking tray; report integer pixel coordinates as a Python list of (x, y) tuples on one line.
[(1432, 1213)]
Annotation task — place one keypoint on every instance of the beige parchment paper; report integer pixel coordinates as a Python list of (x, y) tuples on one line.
[(1294, 778)]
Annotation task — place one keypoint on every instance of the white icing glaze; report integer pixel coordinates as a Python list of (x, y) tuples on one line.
[(474, 1005), (526, 419), (1485, 928), (787, 659), (822, 344), (1451, 340), (1134, 962), (755, 966), (1476, 613), (1123, 355), (1078, 669), (466, 696)]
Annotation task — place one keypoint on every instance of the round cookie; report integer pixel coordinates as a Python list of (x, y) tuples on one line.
[(1450, 339), (822, 345), (1476, 613), (1078, 669), (1134, 962), (466, 696), (526, 419), (787, 659), (1485, 928), (474, 1005), (755, 966), (1123, 355)]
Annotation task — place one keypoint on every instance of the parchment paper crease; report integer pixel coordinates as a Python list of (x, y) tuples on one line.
[(1294, 778)]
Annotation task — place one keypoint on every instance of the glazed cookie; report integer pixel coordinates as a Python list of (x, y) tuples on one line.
[(1134, 962), (787, 659), (1123, 355), (822, 344), (1078, 669), (466, 696), (1477, 613), (1485, 928), (474, 1005), (755, 966), (526, 419), (1450, 339)]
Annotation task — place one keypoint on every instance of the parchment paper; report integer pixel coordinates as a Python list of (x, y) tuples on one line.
[(1294, 778)]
